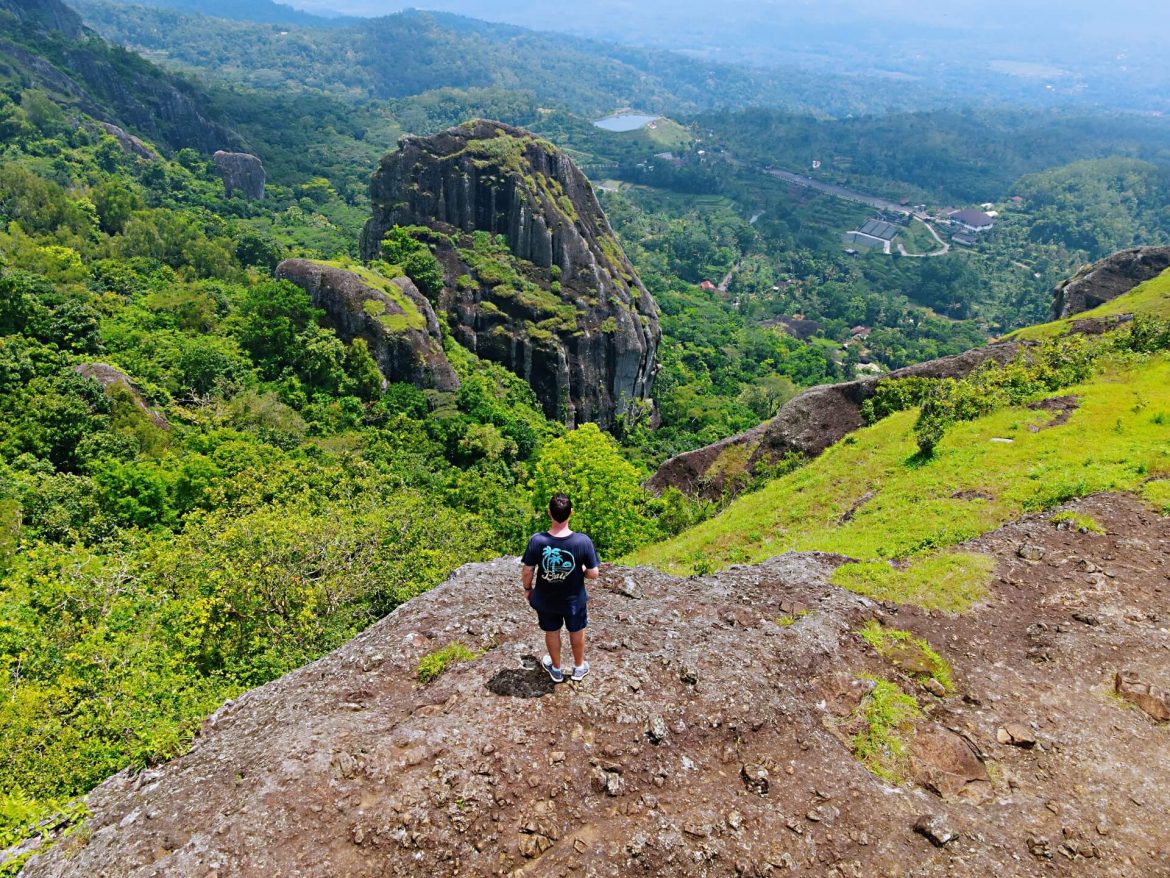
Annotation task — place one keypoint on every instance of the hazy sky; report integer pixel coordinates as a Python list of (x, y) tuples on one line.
[(1085, 18)]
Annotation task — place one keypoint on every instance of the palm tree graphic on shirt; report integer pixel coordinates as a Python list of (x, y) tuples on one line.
[(556, 564)]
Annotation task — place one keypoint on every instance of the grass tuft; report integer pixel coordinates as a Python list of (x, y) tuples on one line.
[(912, 654), (1157, 492), (1077, 521), (889, 716), (946, 581), (435, 663)]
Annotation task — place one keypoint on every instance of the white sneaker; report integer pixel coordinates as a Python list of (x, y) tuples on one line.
[(558, 676), (580, 671)]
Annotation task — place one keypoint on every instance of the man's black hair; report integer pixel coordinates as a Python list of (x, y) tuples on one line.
[(559, 507)]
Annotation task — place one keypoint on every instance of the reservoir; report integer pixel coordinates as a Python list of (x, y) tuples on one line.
[(625, 122)]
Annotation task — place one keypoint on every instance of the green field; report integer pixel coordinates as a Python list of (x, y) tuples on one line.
[(1151, 297), (1117, 439), (916, 238)]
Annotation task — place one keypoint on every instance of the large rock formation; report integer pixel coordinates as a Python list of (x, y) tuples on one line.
[(49, 15), (716, 735), (242, 172), (130, 144), (807, 424), (115, 380), (563, 308), (1107, 279), (393, 317), (138, 97)]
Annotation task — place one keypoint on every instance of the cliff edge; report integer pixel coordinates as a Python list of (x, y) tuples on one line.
[(734, 724)]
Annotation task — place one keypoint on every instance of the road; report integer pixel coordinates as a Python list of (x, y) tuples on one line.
[(945, 246), (841, 192)]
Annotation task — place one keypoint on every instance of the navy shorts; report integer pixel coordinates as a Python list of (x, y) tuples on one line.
[(574, 617)]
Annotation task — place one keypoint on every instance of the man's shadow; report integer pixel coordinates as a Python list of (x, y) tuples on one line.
[(527, 681)]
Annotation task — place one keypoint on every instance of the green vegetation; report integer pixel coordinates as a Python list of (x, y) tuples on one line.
[(587, 465), (251, 496), (889, 716), (435, 663), (1157, 492), (907, 652), (948, 401), (1079, 522), (918, 507), (947, 581), (1150, 299)]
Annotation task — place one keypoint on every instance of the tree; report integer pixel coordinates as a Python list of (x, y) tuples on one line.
[(272, 317), (415, 258), (608, 499)]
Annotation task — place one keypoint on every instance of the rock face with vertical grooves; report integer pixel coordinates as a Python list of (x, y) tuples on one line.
[(561, 306), (393, 317)]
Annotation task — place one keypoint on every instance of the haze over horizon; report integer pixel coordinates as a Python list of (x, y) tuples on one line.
[(1050, 50)]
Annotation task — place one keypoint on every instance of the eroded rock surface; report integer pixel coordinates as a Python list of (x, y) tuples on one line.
[(130, 144), (575, 322), (394, 318), (707, 740), (242, 172), (1107, 279)]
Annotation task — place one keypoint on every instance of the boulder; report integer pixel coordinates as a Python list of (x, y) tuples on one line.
[(1151, 699), (130, 144), (949, 765), (242, 172), (574, 321), (109, 377), (394, 318), (1107, 279)]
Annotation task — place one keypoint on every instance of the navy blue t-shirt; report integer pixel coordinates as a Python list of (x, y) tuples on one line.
[(560, 562)]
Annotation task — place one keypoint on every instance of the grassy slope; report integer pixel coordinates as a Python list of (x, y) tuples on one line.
[(1118, 438), (1152, 297)]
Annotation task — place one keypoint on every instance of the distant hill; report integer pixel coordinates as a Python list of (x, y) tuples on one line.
[(45, 47), (446, 50), (265, 11)]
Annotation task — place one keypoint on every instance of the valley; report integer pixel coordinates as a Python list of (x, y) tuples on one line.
[(860, 395)]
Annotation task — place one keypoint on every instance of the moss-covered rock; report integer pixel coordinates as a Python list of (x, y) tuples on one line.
[(535, 278), (394, 318)]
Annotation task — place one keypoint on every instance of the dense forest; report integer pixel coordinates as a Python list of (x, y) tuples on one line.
[(202, 486)]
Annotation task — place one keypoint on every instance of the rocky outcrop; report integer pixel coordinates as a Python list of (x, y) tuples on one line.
[(50, 15), (110, 378), (1107, 279), (717, 734), (394, 318), (87, 75), (567, 313), (242, 172), (130, 144), (807, 425)]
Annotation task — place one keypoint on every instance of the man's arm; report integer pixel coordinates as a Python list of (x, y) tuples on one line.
[(594, 571), (526, 577)]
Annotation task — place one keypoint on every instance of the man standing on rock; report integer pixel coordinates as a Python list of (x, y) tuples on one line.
[(556, 565)]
